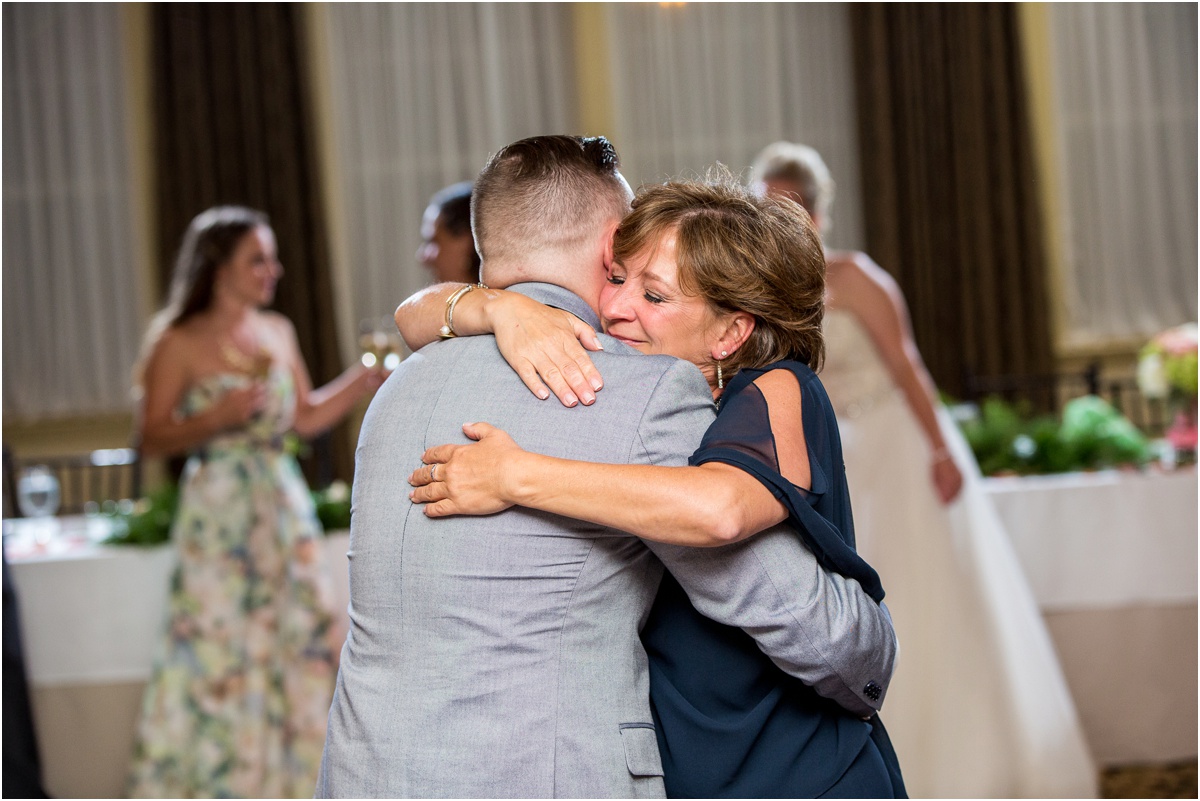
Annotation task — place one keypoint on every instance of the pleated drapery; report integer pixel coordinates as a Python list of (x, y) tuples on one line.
[(72, 299), (948, 184), (697, 83), (234, 125), (421, 94), (1125, 81)]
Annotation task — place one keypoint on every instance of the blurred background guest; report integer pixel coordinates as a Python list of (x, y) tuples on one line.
[(447, 248), (237, 702), (979, 706)]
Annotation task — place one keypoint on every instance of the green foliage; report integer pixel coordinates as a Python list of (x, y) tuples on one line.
[(333, 506), (1092, 435), (148, 522)]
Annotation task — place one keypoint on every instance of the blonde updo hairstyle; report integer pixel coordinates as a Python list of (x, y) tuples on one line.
[(739, 251), (801, 165)]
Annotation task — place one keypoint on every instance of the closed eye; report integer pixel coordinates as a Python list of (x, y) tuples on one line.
[(653, 298)]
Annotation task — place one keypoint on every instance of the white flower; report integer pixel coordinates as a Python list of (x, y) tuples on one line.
[(337, 492), (1152, 376)]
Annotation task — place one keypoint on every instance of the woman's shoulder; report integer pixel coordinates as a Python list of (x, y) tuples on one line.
[(276, 322), (855, 270), (774, 374)]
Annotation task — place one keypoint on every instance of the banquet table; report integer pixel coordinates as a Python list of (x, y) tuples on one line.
[(1111, 557), (91, 617)]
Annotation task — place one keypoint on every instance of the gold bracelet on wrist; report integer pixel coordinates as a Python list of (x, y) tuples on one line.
[(447, 330)]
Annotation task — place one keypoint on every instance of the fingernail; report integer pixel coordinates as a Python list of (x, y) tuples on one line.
[(411, 493), (588, 399), (597, 384), (572, 400), (542, 394)]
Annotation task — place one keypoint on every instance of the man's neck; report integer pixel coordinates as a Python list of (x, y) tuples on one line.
[(575, 278)]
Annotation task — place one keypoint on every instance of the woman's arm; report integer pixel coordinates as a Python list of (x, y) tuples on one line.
[(320, 409), (865, 289), (167, 376), (709, 505), (543, 345)]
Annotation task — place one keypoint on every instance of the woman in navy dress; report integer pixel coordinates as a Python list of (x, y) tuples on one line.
[(732, 282)]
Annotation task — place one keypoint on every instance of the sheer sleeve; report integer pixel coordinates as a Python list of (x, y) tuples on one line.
[(741, 436)]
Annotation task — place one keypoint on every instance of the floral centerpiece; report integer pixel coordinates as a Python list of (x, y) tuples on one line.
[(1167, 369)]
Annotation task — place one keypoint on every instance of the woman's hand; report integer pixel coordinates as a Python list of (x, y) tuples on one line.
[(546, 346), (947, 478), (241, 405), (467, 479)]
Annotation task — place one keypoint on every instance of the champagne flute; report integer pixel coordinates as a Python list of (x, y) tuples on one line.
[(372, 342), (394, 354)]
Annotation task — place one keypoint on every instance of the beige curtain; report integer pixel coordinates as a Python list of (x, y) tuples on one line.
[(72, 299)]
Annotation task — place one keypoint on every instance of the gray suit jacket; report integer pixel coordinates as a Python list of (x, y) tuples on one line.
[(499, 656)]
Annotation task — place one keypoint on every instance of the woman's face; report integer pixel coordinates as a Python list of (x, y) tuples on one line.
[(251, 273), (643, 306), (448, 256)]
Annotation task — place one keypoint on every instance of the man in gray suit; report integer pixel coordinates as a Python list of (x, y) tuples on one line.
[(499, 656)]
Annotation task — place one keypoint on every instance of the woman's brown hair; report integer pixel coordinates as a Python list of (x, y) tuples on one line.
[(209, 242), (739, 251)]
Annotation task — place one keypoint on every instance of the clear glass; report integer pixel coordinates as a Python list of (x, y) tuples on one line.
[(380, 343), (37, 492)]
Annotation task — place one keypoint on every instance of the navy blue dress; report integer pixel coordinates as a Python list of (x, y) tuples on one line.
[(730, 723)]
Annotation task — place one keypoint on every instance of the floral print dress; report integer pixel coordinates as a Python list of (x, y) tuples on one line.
[(238, 700)]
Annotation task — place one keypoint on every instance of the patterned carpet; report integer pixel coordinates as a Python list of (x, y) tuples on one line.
[(1176, 780)]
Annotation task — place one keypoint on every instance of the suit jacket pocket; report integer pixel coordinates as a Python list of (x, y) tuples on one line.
[(641, 749)]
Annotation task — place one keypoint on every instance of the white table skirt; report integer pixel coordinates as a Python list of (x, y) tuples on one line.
[(93, 614), (1103, 540)]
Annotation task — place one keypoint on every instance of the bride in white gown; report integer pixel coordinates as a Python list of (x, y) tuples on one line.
[(979, 706)]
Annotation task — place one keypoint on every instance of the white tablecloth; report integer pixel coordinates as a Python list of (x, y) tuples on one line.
[(92, 613), (1103, 540)]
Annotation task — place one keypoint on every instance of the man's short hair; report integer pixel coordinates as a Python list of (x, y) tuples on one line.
[(546, 193)]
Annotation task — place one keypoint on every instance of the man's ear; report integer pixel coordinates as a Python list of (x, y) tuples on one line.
[(738, 327), (610, 231)]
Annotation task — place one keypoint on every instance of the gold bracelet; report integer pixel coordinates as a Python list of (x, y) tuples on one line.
[(447, 331)]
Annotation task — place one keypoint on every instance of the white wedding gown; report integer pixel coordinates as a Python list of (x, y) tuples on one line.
[(978, 707)]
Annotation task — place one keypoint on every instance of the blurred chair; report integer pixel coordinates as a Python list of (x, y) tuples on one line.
[(1049, 393), (95, 477)]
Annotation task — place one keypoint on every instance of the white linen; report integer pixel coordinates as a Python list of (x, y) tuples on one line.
[(1104, 539), (93, 614)]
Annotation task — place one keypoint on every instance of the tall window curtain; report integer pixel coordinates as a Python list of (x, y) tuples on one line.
[(234, 125), (1125, 79), (948, 184), (422, 94), (698, 83), (71, 292)]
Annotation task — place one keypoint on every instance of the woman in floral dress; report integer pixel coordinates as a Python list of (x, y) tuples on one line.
[(237, 703)]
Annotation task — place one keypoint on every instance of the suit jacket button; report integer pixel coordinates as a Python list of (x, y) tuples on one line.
[(872, 691)]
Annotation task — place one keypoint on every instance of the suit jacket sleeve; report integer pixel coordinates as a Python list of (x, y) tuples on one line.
[(815, 625)]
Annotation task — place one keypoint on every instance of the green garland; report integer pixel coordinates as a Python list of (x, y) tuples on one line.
[(1092, 435), (148, 522)]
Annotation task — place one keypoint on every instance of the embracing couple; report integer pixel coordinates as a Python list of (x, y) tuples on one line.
[(513, 630)]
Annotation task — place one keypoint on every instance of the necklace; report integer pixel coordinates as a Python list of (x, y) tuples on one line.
[(257, 365)]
